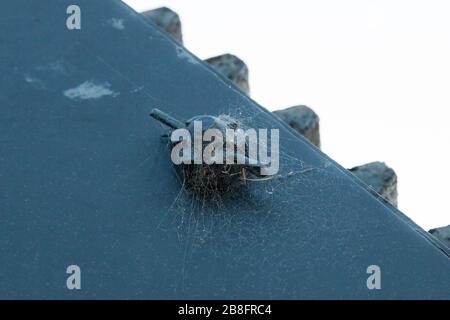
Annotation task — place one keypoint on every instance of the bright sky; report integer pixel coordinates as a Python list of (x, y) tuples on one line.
[(376, 72)]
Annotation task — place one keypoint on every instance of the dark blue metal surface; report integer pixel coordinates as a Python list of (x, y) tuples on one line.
[(85, 179)]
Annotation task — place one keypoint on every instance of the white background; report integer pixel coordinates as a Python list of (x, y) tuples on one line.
[(376, 72)]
